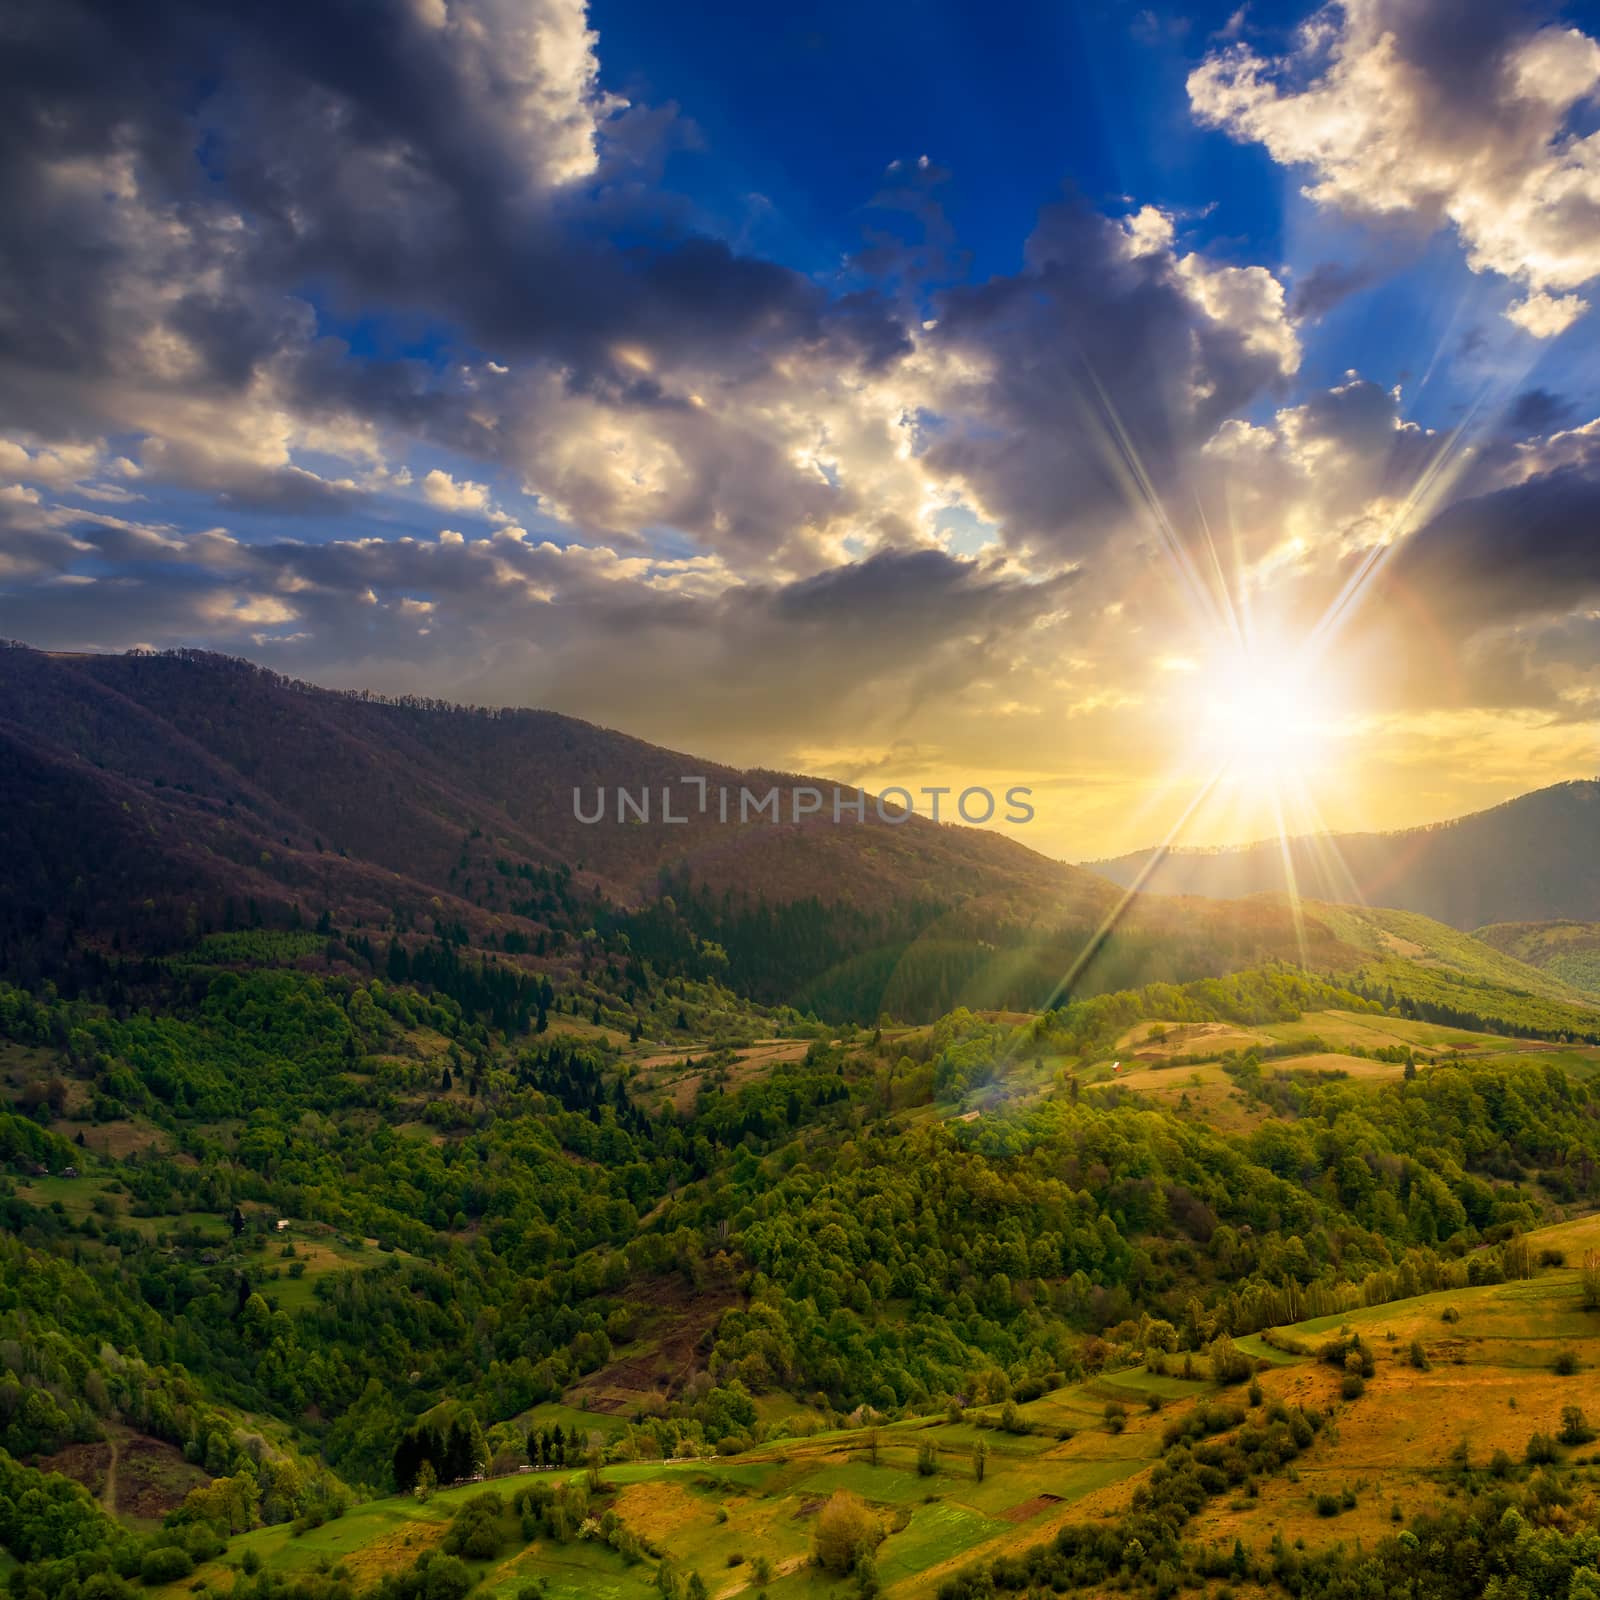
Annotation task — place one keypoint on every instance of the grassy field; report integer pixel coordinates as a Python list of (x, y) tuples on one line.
[(1491, 1383), (1489, 1380), (661, 1075), (716, 1516), (1179, 1066)]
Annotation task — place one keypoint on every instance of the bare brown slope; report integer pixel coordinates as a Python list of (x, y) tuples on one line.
[(201, 775)]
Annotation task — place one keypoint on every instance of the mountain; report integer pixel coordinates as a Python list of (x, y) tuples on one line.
[(154, 798), (148, 800), (232, 775), (1532, 859), (1567, 951)]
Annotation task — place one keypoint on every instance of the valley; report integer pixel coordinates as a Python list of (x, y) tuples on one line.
[(404, 1221)]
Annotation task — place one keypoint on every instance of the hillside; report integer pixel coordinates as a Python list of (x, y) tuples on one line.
[(360, 1135), (969, 1292), (1567, 951), (1531, 859), (149, 798), (343, 791)]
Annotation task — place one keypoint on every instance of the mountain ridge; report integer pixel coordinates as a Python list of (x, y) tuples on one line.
[(1528, 859), (150, 799)]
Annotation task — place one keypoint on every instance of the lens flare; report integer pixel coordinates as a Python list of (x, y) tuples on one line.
[(1266, 720)]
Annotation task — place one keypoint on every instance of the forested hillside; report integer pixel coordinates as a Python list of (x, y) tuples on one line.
[(948, 1226), (320, 1232), (1568, 951), (147, 800)]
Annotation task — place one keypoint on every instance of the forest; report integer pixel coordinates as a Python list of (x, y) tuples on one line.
[(329, 1233)]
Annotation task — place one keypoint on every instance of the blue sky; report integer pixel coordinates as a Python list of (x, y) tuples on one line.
[(801, 113)]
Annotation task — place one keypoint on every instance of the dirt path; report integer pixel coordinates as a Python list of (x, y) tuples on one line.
[(108, 1494)]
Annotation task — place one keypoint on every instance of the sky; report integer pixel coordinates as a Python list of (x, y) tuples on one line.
[(1190, 413)]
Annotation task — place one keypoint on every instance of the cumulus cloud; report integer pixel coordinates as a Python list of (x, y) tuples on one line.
[(1438, 112), (440, 489), (172, 195)]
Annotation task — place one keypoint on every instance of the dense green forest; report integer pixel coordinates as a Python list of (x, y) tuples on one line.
[(512, 1213)]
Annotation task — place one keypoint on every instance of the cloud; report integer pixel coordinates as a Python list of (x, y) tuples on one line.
[(1438, 113), (190, 205), (1062, 395), (1546, 315), (1325, 286), (440, 489), (1528, 549)]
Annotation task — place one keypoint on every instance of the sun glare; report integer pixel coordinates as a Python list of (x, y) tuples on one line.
[(1265, 720)]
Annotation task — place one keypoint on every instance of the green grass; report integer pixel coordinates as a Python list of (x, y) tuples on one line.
[(1392, 934), (579, 1571), (548, 1417), (889, 1485), (934, 1534)]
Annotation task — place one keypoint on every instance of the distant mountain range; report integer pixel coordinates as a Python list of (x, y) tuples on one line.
[(1533, 859), (196, 773)]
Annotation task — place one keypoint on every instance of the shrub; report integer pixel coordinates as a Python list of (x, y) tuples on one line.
[(1541, 1450), (1328, 1505), (1116, 1415), (475, 1528), (1566, 1362), (165, 1564), (927, 1459), (1575, 1427), (1419, 1356), (846, 1531), (1229, 1364), (447, 1579)]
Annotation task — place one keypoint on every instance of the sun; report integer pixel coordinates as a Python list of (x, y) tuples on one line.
[(1266, 718)]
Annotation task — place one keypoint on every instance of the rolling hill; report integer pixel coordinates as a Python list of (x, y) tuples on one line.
[(1567, 951), (1532, 859)]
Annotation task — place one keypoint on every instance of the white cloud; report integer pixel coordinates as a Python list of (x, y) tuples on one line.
[(1397, 112), (1544, 315), (440, 489)]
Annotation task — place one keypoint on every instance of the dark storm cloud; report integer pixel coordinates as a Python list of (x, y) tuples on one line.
[(926, 589), (172, 175), (1327, 285), (1100, 359), (1537, 411), (1533, 548)]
